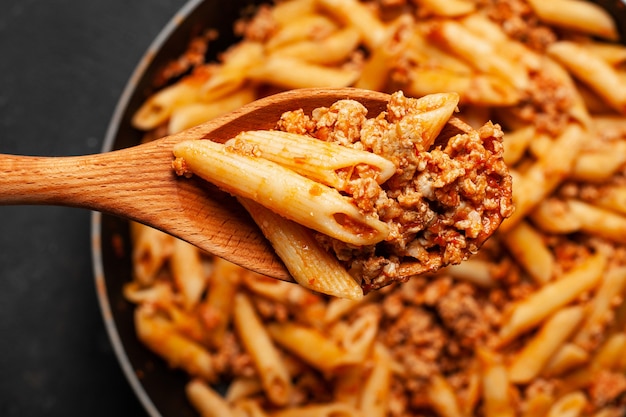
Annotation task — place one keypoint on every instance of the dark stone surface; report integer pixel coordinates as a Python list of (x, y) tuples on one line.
[(63, 65)]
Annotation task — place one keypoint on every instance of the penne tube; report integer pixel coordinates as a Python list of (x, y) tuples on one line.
[(474, 271), (309, 264), (374, 399), (599, 165), (479, 89), (309, 345), (469, 399), (612, 197), (281, 292), (538, 405), (301, 27), (452, 8), (567, 358), (529, 362), (158, 108), (554, 216), (325, 162), (185, 323), (286, 12), (529, 312), (159, 293), (337, 308), (600, 308), (495, 385), (151, 248), (610, 355), (229, 78), (578, 109), (569, 405), (188, 272), (242, 387), (216, 310), (598, 221), (582, 16), (358, 338), (335, 48), (442, 397), (271, 368), (348, 384), (516, 142), (529, 248), (281, 190), (190, 115), (333, 409), (516, 52), (613, 54), (593, 71), (249, 408), (295, 73), (160, 336), (546, 174), (206, 401), (381, 61), (480, 52), (359, 16)]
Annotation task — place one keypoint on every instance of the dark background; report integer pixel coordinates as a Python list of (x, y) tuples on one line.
[(63, 66)]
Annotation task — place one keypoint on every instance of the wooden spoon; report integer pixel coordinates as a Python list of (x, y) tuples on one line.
[(138, 183)]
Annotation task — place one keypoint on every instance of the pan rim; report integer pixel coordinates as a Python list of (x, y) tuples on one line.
[(96, 217)]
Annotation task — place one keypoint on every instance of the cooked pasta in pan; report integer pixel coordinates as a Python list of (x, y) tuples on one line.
[(534, 324)]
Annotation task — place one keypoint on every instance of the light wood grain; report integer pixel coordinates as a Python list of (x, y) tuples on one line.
[(138, 183)]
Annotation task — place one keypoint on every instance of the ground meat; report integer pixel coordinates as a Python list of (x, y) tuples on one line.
[(447, 197), (260, 27), (607, 388)]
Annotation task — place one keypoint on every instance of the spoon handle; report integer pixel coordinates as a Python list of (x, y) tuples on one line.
[(139, 184), (111, 182)]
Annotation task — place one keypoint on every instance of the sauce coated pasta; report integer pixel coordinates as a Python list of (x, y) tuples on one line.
[(534, 324), (434, 205)]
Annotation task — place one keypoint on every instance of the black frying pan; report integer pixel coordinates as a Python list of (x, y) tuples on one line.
[(159, 388)]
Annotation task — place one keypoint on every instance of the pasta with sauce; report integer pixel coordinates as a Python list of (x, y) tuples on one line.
[(534, 324)]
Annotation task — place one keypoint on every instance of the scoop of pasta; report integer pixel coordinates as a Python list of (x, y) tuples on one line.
[(401, 193)]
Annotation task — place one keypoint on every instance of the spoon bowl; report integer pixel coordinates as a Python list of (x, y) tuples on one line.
[(138, 183)]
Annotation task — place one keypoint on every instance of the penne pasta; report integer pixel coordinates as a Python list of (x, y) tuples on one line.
[(151, 249), (300, 27), (162, 338), (281, 190), (188, 272), (570, 405), (611, 287), (216, 310), (290, 72), (495, 385), (376, 388), (206, 400), (309, 265), (529, 247), (531, 311), (545, 174), (336, 47), (298, 339), (324, 162), (442, 397), (568, 357), (272, 370), (357, 15), (577, 15), (529, 362), (593, 71)]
